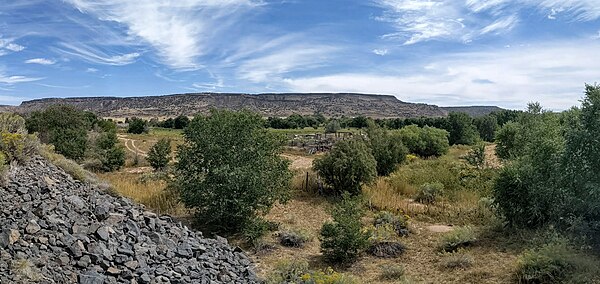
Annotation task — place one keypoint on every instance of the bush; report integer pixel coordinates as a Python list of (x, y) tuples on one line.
[(398, 223), (15, 143), (556, 263), (392, 272), (288, 271), (160, 154), (486, 126), (255, 229), (329, 276), (229, 169), (347, 166), (476, 156), (293, 238), (63, 126), (459, 259), (386, 249), (458, 238), (426, 141), (104, 152), (343, 240), (387, 149), (429, 193), (137, 126), (298, 272)]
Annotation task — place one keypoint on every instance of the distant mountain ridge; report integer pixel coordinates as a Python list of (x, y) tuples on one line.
[(274, 104)]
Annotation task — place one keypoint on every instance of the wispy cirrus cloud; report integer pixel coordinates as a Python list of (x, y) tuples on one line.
[(96, 55), (14, 79), (454, 20), (41, 61), (180, 30)]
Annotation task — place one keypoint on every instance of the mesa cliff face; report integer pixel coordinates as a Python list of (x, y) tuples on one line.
[(282, 105)]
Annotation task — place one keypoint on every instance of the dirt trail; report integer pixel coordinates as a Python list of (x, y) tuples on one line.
[(130, 145)]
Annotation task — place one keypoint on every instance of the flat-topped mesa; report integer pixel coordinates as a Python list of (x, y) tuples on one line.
[(54, 229), (274, 104)]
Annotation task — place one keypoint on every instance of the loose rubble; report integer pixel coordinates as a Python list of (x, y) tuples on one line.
[(54, 229)]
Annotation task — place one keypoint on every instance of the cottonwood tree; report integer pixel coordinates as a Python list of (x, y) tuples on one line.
[(229, 169)]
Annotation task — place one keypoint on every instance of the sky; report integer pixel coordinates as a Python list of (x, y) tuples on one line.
[(444, 52)]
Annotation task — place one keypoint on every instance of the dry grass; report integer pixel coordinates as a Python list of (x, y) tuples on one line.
[(152, 194)]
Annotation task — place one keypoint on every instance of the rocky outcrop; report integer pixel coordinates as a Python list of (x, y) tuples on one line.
[(54, 229), (276, 105)]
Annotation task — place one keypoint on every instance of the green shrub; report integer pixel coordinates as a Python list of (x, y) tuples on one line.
[(288, 271), (347, 166), (556, 262), (293, 238), (476, 156), (137, 126), (160, 154), (458, 238), (398, 223), (426, 141), (104, 152), (457, 260), (392, 272), (15, 143), (329, 276), (298, 272), (343, 240), (387, 149), (429, 193), (255, 229), (63, 126), (229, 169)]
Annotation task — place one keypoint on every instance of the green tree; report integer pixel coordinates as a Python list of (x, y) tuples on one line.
[(348, 166), (359, 122), (229, 169), (343, 240), (426, 141), (332, 127), (486, 126), (137, 126), (160, 154), (388, 150), (63, 126), (181, 122), (461, 129), (507, 140)]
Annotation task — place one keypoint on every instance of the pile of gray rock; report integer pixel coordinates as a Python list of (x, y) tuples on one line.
[(54, 229)]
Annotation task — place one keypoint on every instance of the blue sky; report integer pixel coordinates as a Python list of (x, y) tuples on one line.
[(445, 52)]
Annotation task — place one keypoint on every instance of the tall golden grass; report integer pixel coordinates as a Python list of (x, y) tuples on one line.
[(153, 194)]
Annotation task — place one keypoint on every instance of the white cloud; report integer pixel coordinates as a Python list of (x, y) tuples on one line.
[(91, 70), (453, 20), (380, 52), (8, 46), (555, 74), (275, 64), (501, 25), (95, 55), (16, 79), (41, 61), (180, 30)]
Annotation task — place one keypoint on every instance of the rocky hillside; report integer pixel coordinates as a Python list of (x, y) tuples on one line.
[(54, 229), (474, 111), (328, 104)]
